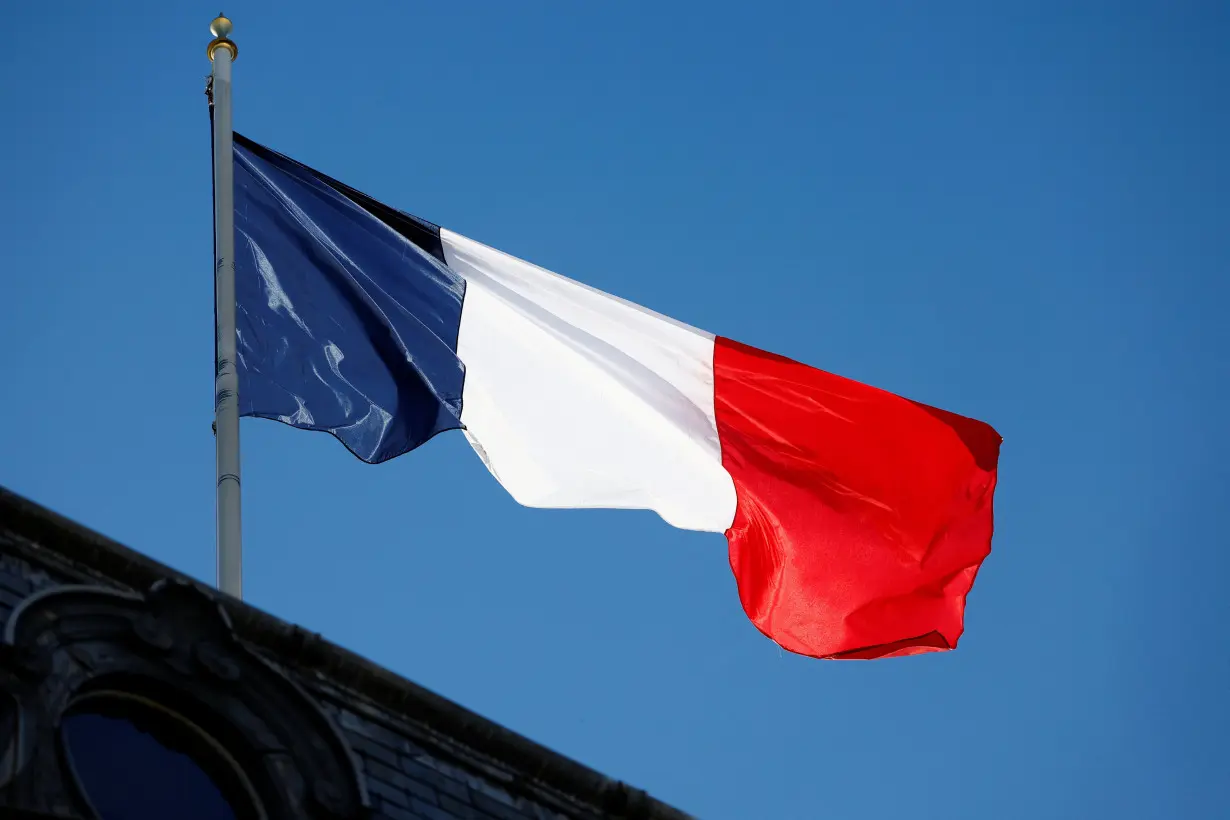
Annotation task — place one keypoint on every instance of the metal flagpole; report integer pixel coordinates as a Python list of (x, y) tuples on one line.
[(222, 52)]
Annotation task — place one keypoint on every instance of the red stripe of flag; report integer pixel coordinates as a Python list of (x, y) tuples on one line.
[(862, 516)]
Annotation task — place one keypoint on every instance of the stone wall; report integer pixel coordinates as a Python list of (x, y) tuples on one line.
[(427, 758)]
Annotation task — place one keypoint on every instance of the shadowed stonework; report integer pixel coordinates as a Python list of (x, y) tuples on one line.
[(129, 691)]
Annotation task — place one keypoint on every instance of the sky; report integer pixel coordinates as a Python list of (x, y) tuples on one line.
[(1016, 211)]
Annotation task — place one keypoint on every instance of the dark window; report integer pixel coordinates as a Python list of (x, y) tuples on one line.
[(8, 737), (135, 760)]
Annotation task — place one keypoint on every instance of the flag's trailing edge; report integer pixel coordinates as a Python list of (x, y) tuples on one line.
[(856, 519)]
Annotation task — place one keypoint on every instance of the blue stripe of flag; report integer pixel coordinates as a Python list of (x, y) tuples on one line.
[(347, 315)]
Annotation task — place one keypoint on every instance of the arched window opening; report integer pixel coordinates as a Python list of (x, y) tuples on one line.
[(135, 759)]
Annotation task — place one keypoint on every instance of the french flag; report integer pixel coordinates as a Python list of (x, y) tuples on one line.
[(856, 519)]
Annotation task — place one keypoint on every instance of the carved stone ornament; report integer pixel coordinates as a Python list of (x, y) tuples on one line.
[(173, 646)]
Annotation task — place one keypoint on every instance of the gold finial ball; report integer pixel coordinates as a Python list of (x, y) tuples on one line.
[(220, 27)]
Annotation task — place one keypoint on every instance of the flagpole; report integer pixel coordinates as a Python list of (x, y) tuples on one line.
[(222, 52)]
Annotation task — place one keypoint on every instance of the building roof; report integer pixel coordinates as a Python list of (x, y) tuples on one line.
[(50, 538)]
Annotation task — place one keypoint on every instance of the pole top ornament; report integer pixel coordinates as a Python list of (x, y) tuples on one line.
[(220, 28)]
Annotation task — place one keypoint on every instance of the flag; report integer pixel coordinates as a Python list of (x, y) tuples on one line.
[(856, 519)]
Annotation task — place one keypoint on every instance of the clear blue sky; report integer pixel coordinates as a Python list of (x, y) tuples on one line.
[(1015, 211)]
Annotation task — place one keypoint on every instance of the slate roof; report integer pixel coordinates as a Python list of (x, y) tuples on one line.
[(423, 755)]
